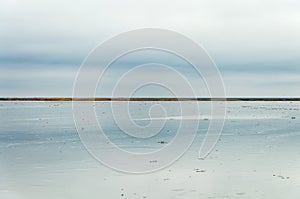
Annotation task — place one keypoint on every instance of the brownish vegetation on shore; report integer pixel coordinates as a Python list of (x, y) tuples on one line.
[(142, 99)]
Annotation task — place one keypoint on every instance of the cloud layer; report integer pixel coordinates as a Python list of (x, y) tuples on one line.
[(256, 44)]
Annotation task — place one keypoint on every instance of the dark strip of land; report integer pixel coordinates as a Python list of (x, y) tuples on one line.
[(144, 99)]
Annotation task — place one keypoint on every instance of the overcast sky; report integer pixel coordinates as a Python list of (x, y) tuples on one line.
[(256, 44)]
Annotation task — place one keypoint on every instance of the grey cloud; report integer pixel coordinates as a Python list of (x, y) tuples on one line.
[(245, 38)]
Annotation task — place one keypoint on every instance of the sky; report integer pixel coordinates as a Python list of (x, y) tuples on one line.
[(255, 44)]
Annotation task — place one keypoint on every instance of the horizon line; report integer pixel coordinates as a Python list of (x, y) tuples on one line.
[(149, 99)]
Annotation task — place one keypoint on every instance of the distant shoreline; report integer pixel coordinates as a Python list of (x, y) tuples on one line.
[(145, 99)]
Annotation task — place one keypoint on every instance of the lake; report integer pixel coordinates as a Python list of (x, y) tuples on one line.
[(257, 154)]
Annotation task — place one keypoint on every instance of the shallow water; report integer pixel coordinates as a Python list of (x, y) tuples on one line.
[(257, 156)]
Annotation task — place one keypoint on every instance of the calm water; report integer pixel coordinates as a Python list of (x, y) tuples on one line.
[(257, 156)]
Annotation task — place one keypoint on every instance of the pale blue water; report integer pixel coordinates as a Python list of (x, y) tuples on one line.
[(257, 156)]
